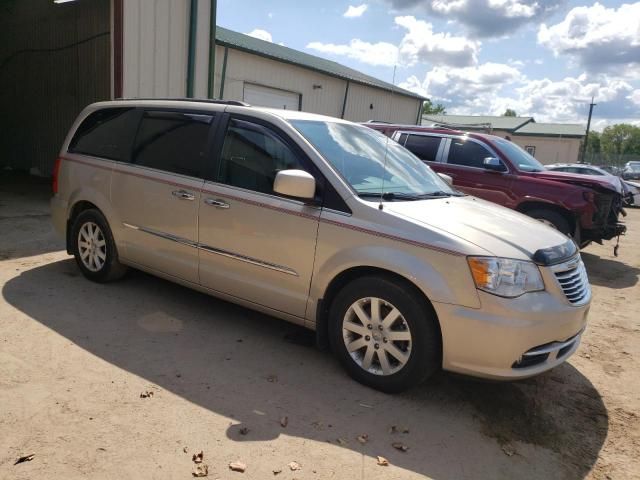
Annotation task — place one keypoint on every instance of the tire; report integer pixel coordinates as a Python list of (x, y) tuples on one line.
[(553, 219), (94, 248), (417, 322)]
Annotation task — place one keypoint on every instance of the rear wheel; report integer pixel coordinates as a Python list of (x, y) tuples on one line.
[(384, 335), (94, 248), (553, 219)]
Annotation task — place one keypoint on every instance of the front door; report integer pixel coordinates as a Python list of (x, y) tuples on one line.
[(255, 244), (465, 164), (157, 194)]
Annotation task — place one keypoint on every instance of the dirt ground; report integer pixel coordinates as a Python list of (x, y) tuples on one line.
[(75, 358)]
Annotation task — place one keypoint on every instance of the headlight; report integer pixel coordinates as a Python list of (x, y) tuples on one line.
[(505, 277)]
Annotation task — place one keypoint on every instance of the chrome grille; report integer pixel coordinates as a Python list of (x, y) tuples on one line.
[(572, 277)]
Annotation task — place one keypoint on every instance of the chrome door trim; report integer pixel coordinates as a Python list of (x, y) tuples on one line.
[(217, 251), (164, 235), (246, 259)]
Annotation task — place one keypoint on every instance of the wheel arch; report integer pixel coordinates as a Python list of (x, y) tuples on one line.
[(350, 274), (530, 205)]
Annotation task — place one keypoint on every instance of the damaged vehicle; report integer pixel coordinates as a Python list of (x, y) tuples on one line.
[(587, 209)]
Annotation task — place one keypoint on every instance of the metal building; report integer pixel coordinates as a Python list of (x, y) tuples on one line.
[(56, 57)]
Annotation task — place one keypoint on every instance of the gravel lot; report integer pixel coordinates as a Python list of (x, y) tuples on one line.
[(75, 358)]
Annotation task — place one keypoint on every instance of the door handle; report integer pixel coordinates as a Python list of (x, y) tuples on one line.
[(183, 194), (216, 203)]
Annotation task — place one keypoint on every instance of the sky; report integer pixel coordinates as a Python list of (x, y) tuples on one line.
[(541, 58)]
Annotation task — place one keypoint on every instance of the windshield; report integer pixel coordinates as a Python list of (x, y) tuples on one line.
[(358, 154), (634, 167), (523, 160)]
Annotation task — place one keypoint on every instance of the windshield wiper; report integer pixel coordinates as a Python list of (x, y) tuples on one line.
[(408, 196)]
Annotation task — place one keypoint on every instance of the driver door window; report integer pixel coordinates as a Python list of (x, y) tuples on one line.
[(252, 155), (467, 153)]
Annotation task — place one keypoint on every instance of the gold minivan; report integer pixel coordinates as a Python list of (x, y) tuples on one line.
[(323, 223)]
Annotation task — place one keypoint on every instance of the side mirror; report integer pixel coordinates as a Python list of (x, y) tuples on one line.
[(295, 183), (448, 180), (494, 164)]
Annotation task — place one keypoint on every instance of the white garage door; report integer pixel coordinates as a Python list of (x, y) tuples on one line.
[(271, 97)]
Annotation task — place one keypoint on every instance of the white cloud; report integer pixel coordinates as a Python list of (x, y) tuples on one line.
[(354, 11), (261, 34), (381, 53), (492, 88), (420, 44), (598, 37), (462, 86), (485, 18)]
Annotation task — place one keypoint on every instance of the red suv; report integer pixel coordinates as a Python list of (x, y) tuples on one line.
[(493, 168)]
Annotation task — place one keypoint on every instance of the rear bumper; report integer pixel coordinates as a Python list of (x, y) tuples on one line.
[(59, 215), (510, 339)]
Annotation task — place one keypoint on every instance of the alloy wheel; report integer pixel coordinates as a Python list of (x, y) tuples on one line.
[(92, 246), (376, 336)]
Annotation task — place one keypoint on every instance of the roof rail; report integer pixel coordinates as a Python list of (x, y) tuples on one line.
[(195, 100)]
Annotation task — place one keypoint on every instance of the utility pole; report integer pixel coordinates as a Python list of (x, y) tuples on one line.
[(586, 136)]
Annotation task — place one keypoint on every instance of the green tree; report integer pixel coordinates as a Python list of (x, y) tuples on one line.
[(620, 139), (429, 108), (509, 113)]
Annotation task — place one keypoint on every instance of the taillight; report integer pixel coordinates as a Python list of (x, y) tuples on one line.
[(56, 170)]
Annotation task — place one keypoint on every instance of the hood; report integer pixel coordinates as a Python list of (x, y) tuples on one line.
[(499, 230), (590, 181)]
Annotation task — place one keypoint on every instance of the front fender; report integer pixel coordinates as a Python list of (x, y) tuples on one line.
[(442, 278)]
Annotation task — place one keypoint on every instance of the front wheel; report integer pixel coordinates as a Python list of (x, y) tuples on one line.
[(553, 219), (384, 334)]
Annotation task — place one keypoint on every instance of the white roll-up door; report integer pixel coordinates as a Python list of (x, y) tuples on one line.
[(260, 96)]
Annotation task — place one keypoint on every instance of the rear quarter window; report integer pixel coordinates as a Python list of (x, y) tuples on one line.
[(106, 133)]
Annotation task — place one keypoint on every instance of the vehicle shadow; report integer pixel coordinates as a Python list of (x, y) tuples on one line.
[(255, 369), (610, 273)]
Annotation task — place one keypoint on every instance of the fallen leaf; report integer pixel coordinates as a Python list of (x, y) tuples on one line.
[(244, 431), (342, 441), (277, 471), (238, 467), (405, 430), (185, 449), (400, 446), (197, 457), (508, 450), (294, 466), (364, 438), (284, 421), (200, 470), (383, 462), (146, 394), (393, 429), (25, 458), (272, 378), (317, 425)]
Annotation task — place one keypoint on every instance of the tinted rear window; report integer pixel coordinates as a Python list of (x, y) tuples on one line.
[(107, 133), (423, 147), (173, 141)]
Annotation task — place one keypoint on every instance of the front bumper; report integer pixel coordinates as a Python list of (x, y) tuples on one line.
[(507, 339)]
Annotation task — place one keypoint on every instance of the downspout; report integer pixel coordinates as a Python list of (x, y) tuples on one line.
[(344, 102), (212, 49), (224, 73), (191, 54)]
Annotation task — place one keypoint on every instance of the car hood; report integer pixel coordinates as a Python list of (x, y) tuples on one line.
[(498, 230), (590, 181)]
